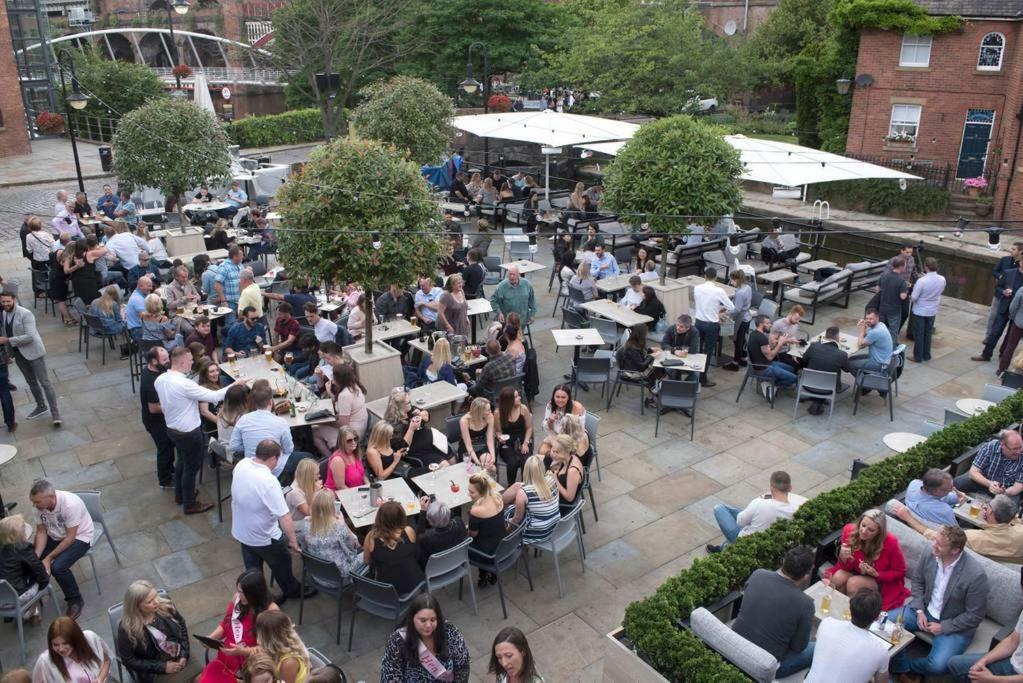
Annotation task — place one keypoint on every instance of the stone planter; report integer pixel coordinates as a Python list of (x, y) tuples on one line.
[(622, 664), (973, 192), (900, 147), (982, 209)]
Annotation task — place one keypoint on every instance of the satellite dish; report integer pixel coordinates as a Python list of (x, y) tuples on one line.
[(730, 28)]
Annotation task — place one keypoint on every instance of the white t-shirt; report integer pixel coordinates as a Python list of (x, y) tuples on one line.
[(68, 512), (763, 512), (846, 654), (325, 330), (632, 298), (257, 502)]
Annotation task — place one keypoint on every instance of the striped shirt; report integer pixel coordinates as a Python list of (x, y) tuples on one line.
[(993, 464), (227, 276), (543, 515)]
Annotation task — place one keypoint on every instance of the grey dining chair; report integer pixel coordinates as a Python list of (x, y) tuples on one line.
[(565, 534), (818, 385), (447, 567), (95, 508), (12, 608)]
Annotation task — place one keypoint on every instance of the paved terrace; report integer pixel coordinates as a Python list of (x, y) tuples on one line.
[(654, 500)]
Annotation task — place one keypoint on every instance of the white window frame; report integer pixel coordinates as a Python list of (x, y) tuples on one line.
[(900, 122), (1001, 52), (915, 44)]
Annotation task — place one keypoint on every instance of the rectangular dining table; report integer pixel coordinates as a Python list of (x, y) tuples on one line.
[(439, 483), (355, 501), (427, 397), (623, 315)]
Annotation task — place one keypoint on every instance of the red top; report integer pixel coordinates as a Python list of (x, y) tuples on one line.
[(224, 668), (890, 566)]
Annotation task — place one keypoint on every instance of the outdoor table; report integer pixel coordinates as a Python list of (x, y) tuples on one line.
[(214, 254), (900, 442), (581, 256), (814, 266), (476, 307), (91, 222), (426, 397), (256, 367), (421, 346), (7, 453), (840, 610), (215, 313), (205, 206), (355, 501), (453, 207), (609, 285), (272, 216), (695, 280), (146, 213), (577, 339), (438, 483), (849, 343), (962, 512), (776, 278), (394, 329), (973, 406), (693, 362), (623, 315), (329, 305), (525, 267), (302, 409)]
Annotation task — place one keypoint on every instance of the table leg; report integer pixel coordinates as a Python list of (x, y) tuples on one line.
[(473, 326)]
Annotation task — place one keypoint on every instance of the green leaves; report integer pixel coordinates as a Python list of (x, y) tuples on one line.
[(410, 114), (115, 87), (172, 145), (303, 125)]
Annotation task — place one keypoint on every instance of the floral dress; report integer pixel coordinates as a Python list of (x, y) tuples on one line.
[(396, 669), (342, 548)]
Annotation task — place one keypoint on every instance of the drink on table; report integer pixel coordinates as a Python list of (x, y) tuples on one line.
[(289, 358), (847, 614), (683, 351), (466, 354), (974, 507), (826, 601), (268, 354), (231, 360)]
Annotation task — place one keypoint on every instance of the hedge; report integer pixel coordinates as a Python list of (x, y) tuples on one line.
[(885, 197), (291, 127), (651, 624)]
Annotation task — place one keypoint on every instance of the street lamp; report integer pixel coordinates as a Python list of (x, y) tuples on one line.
[(181, 8), (470, 85), (76, 101), (842, 86)]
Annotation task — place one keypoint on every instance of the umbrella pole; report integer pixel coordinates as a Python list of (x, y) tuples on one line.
[(547, 177)]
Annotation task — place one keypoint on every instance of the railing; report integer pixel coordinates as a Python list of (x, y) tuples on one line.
[(936, 175), (220, 74), (257, 29), (94, 128)]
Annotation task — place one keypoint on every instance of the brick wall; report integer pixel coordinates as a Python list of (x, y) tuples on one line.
[(720, 12), (14, 133)]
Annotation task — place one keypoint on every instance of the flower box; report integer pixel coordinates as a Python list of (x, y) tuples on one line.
[(901, 146)]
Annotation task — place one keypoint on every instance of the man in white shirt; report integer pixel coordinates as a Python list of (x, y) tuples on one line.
[(66, 221), (64, 533), (260, 425), (846, 651), (761, 513), (61, 202), (179, 399), (261, 520), (324, 329), (427, 302), (708, 300), (126, 246)]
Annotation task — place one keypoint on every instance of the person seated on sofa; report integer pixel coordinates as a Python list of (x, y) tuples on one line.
[(1004, 663), (1001, 539), (776, 615), (949, 601), (932, 498), (846, 652), (997, 467)]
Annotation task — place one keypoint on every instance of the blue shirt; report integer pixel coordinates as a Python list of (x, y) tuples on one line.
[(136, 306), (605, 266), (107, 203), (237, 197), (879, 342), (429, 314), (131, 218), (243, 338), (928, 508), (209, 276), (259, 425), (993, 464)]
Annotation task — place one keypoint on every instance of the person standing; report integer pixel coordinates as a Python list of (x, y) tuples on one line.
[(926, 298), (261, 520), (157, 362), (708, 300), (1006, 263), (19, 334), (227, 283), (910, 273), (514, 295), (64, 534), (1005, 290), (892, 292), (179, 398)]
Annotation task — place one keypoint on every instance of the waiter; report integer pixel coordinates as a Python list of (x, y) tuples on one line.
[(708, 302)]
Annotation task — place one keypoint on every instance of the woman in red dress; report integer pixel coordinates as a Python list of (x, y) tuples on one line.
[(237, 630), (870, 557)]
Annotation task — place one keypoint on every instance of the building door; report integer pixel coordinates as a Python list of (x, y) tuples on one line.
[(976, 137)]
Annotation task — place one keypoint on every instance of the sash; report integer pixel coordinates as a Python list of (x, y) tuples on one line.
[(236, 623), (430, 662)]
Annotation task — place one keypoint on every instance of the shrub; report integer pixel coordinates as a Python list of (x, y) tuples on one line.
[(885, 197), (303, 125), (679, 655), (499, 104)]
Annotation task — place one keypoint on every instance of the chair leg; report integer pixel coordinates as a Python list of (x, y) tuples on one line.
[(582, 549), (92, 560), (103, 345), (220, 497), (110, 540), (301, 598), (340, 597), (500, 592), (891, 405), (529, 575), (742, 387), (795, 408), (692, 422), (472, 589), (351, 625), (557, 574), (21, 634), (593, 504), (657, 419)]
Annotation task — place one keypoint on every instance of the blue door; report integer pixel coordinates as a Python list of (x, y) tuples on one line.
[(976, 136)]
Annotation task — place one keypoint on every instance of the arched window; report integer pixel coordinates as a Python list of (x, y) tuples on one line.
[(991, 48)]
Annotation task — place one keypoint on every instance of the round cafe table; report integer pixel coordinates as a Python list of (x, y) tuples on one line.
[(900, 442), (973, 406), (7, 453)]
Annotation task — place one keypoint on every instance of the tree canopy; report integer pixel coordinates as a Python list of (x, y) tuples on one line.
[(172, 145), (114, 87), (409, 113), (672, 168)]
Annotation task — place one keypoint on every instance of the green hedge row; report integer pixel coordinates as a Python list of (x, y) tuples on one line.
[(650, 624), (291, 127), (884, 197)]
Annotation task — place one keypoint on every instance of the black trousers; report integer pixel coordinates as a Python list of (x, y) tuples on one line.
[(709, 333), (278, 558), (164, 455), (190, 449)]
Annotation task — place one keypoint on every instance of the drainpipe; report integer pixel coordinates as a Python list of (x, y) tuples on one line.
[(1012, 169), (745, 16)]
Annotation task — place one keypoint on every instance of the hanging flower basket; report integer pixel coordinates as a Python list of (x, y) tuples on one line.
[(182, 71), (50, 123), (499, 104)]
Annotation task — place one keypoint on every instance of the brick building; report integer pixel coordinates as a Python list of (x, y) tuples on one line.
[(953, 98), (13, 126), (734, 17)]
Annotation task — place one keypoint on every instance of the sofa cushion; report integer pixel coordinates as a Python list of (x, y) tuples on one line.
[(840, 276), (913, 545), (860, 265), (758, 663)]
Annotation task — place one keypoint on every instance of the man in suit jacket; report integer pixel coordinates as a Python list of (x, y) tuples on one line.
[(826, 356), (18, 333), (1005, 289), (949, 601)]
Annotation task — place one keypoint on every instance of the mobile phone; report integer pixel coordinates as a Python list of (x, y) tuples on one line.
[(433, 497)]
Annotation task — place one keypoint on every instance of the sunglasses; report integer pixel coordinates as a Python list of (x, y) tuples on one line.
[(351, 441)]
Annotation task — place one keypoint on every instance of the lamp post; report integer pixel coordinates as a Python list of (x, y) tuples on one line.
[(470, 85), (181, 7), (76, 101)]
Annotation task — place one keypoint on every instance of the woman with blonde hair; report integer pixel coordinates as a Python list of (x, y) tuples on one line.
[(307, 482), (537, 495), (259, 668), (574, 427), (19, 564), (477, 430), (583, 281), (152, 638), (870, 557), (486, 521), (72, 655), (156, 326), (236, 404), (328, 537), (391, 550), (567, 470), (276, 635), (344, 468), (381, 455), (437, 367), (475, 186)]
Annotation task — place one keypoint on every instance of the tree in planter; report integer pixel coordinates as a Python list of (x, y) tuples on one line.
[(172, 145), (673, 168), (409, 113), (358, 212)]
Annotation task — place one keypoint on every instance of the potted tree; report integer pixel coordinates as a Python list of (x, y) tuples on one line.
[(499, 103), (182, 71)]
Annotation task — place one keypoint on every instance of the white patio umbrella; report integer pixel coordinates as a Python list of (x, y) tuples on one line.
[(201, 94), (550, 129)]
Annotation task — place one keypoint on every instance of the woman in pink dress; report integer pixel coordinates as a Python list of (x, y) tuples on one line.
[(237, 630), (345, 469)]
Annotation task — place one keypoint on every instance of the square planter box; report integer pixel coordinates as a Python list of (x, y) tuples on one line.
[(622, 664)]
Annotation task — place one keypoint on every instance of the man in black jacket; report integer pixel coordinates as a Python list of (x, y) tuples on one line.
[(1005, 288), (826, 356), (682, 334), (473, 275)]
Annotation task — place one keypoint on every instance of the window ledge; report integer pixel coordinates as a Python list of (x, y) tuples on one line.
[(913, 68), (989, 72)]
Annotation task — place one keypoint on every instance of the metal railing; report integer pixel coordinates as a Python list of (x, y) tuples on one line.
[(257, 29), (934, 174), (95, 128), (230, 74)]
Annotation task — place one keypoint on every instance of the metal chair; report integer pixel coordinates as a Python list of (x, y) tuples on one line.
[(507, 555), (954, 416), (114, 613), (592, 370), (318, 660), (995, 393), (519, 251), (453, 432), (680, 395), (444, 568), (882, 381), (592, 422), (83, 326), (493, 266), (1013, 380), (818, 385), (927, 427), (218, 457), (95, 327), (515, 382), (20, 611), (898, 360), (95, 509), (562, 287), (572, 319), (753, 372), (608, 330), (324, 576), (622, 381), (767, 307), (562, 538), (379, 599)]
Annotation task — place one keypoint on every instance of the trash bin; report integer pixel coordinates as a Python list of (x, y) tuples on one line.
[(106, 158)]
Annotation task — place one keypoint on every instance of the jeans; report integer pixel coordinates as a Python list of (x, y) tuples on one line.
[(997, 328), (781, 373), (739, 352), (893, 322), (60, 568), (231, 317), (6, 401), (709, 333), (864, 362), (1012, 339), (277, 556), (959, 666), (923, 330), (38, 381), (967, 485), (190, 448), (944, 647), (725, 515), (795, 661), (164, 455)]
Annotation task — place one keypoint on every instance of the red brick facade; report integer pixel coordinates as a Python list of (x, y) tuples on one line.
[(13, 129), (945, 90), (751, 13)]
